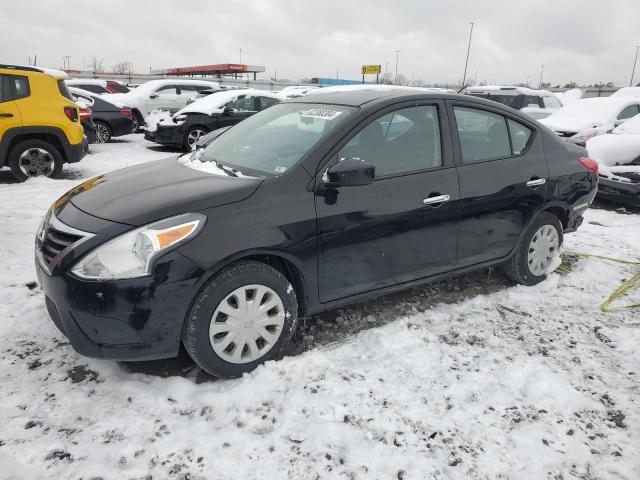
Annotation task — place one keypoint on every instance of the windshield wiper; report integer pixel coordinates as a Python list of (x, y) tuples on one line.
[(230, 171)]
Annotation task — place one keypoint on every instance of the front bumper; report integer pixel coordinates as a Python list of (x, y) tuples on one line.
[(132, 319), (172, 136), (626, 193)]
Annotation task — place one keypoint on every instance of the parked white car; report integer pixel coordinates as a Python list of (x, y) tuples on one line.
[(535, 103), (627, 92), (620, 147), (170, 94), (589, 117)]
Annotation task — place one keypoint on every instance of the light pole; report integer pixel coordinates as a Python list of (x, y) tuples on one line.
[(240, 56), (396, 80), (541, 70), (633, 70), (466, 62)]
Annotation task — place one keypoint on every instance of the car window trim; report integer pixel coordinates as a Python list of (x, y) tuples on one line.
[(490, 108), (331, 157)]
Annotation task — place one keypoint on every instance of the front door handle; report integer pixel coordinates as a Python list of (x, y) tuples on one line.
[(6, 115), (436, 199), (536, 182)]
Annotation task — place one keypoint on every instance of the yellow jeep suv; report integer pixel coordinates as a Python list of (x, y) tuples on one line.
[(40, 128)]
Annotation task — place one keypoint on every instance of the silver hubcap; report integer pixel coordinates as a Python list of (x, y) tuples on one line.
[(543, 247), (193, 137), (36, 161), (102, 133), (247, 324)]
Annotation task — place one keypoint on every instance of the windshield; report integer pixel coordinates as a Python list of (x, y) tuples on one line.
[(274, 140)]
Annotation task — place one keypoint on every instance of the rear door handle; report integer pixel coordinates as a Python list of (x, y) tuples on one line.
[(6, 115), (438, 199), (536, 182)]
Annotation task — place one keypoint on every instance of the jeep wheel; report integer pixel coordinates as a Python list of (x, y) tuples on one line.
[(33, 158)]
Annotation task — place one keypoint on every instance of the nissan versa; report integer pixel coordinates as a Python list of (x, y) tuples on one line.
[(312, 204)]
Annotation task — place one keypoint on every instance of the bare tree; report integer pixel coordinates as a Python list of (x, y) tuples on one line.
[(96, 65), (122, 67)]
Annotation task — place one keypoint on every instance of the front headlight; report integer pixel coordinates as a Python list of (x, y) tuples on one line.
[(130, 255), (179, 119)]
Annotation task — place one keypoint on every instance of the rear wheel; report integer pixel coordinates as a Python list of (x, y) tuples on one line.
[(537, 251), (103, 132), (193, 135), (244, 317), (33, 158), (137, 121)]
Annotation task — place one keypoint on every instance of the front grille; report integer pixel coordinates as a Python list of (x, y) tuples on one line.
[(55, 240)]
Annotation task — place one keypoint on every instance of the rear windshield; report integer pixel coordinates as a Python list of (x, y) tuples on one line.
[(64, 91), (513, 101)]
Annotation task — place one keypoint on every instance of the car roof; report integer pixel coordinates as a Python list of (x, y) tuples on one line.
[(87, 81), (357, 97), (57, 74)]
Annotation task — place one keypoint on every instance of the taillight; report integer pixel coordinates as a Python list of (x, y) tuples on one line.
[(85, 113), (126, 112), (71, 113), (589, 163)]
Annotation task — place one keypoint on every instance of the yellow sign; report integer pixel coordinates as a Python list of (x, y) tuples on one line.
[(374, 69)]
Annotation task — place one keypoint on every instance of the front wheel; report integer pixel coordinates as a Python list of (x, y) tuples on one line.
[(537, 251), (33, 158), (193, 135), (242, 318)]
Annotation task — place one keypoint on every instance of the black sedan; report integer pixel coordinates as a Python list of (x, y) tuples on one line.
[(217, 110), (111, 119), (310, 205)]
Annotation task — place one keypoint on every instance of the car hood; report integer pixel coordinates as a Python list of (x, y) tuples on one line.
[(152, 191)]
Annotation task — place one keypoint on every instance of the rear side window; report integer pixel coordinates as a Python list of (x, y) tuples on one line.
[(483, 135), (2, 94), (64, 91), (551, 102), (531, 101), (520, 136), (20, 86), (243, 104), (628, 112), (403, 141), (267, 102)]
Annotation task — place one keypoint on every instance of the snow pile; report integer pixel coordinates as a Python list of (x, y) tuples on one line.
[(215, 102), (157, 116), (614, 149), (569, 96), (193, 160)]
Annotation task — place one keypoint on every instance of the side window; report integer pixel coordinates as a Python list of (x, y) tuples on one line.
[(403, 141), (189, 89), (266, 102), (483, 135), (2, 94), (551, 102), (21, 86), (243, 104), (628, 112), (167, 90), (531, 101), (519, 136)]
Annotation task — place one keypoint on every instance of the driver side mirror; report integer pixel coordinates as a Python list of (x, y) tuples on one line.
[(154, 95), (620, 121), (227, 110), (349, 172)]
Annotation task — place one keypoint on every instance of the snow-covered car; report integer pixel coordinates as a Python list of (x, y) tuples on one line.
[(110, 118), (220, 109), (589, 117), (618, 155), (535, 103), (627, 92), (97, 85), (170, 94)]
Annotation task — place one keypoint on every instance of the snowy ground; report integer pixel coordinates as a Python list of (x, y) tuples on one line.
[(472, 378)]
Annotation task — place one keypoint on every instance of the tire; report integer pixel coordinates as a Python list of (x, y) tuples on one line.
[(210, 336), (192, 136), (43, 160), (103, 132), (138, 121), (525, 269)]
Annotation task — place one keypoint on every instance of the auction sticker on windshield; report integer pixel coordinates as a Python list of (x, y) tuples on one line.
[(321, 113)]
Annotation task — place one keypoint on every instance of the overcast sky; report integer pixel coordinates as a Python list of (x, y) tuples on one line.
[(582, 40)]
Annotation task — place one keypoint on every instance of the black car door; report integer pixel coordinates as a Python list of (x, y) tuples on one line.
[(503, 175), (401, 227), (237, 110)]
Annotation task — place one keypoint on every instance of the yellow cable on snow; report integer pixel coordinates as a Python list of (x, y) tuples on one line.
[(622, 289)]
